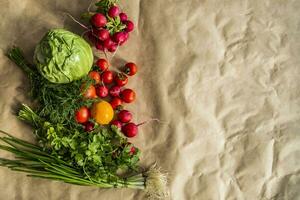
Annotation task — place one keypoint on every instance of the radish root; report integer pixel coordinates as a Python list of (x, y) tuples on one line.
[(156, 183), (82, 25)]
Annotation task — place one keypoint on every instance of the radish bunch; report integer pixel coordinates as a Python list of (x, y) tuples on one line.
[(110, 27)]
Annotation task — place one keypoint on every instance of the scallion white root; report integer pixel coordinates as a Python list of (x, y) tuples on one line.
[(156, 183)]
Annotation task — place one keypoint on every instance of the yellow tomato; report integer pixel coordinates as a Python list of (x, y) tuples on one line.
[(102, 112)]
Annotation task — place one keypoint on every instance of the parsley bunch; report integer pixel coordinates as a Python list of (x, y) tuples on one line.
[(99, 154)]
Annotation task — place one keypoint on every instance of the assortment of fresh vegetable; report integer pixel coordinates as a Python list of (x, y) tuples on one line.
[(80, 123)]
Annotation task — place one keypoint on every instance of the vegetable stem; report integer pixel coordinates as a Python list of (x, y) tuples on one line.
[(16, 55)]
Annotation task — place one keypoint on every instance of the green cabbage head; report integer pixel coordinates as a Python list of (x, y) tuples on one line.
[(62, 56)]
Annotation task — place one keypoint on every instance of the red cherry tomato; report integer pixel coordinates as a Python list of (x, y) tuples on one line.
[(102, 91), (130, 69), (121, 79), (96, 76), (116, 102), (107, 77), (82, 115), (128, 95), (102, 64), (89, 93), (115, 91)]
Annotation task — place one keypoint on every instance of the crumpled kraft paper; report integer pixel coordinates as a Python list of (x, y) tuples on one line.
[(222, 76)]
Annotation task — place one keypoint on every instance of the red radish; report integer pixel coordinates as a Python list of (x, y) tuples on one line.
[(114, 11), (123, 17), (98, 20), (130, 69), (128, 95), (102, 91), (129, 26), (130, 130), (92, 37), (103, 34), (99, 45), (89, 126), (113, 47), (125, 116), (115, 91), (116, 102), (95, 76), (119, 37), (117, 123), (102, 64), (108, 43), (121, 79), (95, 31), (126, 36), (107, 77)]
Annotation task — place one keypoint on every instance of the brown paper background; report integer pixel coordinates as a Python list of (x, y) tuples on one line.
[(223, 76)]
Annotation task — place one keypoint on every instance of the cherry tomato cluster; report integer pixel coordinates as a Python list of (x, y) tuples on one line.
[(112, 83), (110, 29), (109, 85)]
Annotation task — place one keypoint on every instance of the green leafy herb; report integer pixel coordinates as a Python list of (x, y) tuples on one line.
[(33, 160), (103, 151), (56, 102), (104, 5), (115, 25)]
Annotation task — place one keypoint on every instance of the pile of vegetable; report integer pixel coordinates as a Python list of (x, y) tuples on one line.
[(79, 120), (109, 86)]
